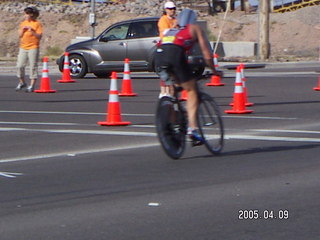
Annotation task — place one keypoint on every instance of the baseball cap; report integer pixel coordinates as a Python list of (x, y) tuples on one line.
[(169, 5)]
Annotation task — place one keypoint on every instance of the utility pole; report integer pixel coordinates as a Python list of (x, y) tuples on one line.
[(92, 18), (264, 45)]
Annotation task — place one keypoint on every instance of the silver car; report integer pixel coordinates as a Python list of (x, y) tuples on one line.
[(135, 39)]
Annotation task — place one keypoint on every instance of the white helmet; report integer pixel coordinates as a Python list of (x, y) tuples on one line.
[(187, 16)]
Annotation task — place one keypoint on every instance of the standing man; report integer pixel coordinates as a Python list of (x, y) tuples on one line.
[(168, 20), (30, 33)]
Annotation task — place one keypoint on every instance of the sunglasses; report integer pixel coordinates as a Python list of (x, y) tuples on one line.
[(171, 8)]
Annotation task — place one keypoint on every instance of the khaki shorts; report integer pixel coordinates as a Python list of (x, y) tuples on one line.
[(24, 56)]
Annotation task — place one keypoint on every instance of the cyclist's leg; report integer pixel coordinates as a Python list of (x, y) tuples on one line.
[(187, 81), (192, 102)]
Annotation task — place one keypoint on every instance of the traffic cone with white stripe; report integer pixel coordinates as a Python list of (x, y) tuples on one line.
[(245, 91), (45, 80), (66, 78), (215, 79), (318, 87), (238, 97), (126, 90), (114, 109)]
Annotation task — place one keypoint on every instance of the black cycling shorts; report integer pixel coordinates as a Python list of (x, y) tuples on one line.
[(173, 57)]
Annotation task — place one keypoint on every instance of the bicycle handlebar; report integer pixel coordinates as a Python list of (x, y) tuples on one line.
[(208, 74)]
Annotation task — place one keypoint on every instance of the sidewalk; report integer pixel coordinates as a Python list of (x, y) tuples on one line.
[(10, 67)]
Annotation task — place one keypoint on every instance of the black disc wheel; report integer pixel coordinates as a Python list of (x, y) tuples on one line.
[(171, 128), (210, 124)]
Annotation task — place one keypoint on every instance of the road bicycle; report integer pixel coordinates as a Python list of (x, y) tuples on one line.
[(172, 125)]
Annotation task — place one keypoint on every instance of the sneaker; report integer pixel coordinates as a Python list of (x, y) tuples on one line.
[(20, 86), (196, 138), (30, 89), (164, 95)]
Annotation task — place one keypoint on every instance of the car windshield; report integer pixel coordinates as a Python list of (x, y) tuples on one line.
[(116, 33)]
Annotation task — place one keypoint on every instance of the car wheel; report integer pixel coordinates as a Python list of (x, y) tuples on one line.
[(78, 66)]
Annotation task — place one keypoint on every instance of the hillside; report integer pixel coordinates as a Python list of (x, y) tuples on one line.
[(293, 35)]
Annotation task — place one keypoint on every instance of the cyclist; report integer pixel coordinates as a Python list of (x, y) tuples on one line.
[(171, 57)]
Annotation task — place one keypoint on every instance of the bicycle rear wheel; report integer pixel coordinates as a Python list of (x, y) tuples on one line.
[(210, 123), (171, 128)]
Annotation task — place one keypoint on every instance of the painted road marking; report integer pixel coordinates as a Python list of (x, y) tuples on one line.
[(74, 153), (135, 114), (145, 145), (10, 174), (153, 134)]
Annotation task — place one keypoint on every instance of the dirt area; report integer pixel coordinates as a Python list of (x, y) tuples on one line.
[(293, 35)]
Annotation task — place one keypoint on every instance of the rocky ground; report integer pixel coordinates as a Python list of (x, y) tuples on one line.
[(293, 35)]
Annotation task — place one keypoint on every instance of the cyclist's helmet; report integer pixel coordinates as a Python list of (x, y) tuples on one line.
[(187, 16)]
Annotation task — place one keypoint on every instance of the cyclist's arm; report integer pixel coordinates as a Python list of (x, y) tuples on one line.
[(200, 36)]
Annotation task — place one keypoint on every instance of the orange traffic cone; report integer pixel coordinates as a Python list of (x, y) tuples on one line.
[(114, 112), (318, 87), (245, 91), (66, 70), (215, 80), (238, 97), (126, 82), (215, 60), (184, 95), (45, 80)]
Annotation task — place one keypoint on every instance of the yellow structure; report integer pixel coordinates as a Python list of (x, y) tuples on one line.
[(294, 5)]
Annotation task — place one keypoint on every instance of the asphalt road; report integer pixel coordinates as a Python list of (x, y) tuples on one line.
[(63, 176)]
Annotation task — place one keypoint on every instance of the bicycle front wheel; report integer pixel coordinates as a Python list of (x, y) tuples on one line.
[(171, 128), (210, 123)]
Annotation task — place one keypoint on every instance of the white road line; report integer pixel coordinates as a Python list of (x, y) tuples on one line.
[(75, 131), (285, 131), (271, 74), (137, 114), (40, 123), (74, 113), (150, 144), (74, 153), (153, 134), (10, 174), (272, 138), (46, 112)]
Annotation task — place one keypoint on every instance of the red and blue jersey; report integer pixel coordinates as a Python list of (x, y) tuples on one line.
[(179, 37)]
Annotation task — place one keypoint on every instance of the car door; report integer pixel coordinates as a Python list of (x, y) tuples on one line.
[(142, 38), (112, 46)]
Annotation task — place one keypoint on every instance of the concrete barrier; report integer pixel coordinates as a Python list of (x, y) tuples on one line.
[(79, 39), (236, 49)]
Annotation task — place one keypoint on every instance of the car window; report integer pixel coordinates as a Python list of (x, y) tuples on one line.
[(143, 29), (116, 33)]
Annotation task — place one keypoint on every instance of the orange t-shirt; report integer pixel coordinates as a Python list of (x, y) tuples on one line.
[(166, 23), (28, 40)]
